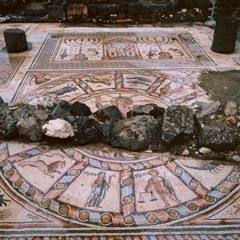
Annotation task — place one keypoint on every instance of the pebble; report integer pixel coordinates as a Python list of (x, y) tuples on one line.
[(238, 125), (231, 119), (212, 117), (204, 150), (185, 152), (236, 158)]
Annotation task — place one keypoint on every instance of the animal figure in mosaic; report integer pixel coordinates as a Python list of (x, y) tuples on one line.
[(69, 88), (161, 186), (47, 169), (139, 80), (205, 166), (99, 80)]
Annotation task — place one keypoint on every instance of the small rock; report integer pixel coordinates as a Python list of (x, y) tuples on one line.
[(30, 129), (204, 150), (238, 125), (231, 119), (107, 113), (178, 124), (212, 117), (107, 128), (41, 115), (209, 108), (135, 133), (80, 109), (45, 101), (148, 109), (236, 158), (11, 130), (219, 138), (70, 119), (185, 153), (1, 101), (62, 110), (58, 128), (89, 130), (231, 108)]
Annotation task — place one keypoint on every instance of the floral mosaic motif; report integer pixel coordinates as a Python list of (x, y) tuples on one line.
[(120, 50), (8, 68)]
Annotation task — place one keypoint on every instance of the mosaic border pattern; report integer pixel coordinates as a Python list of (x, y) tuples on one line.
[(49, 47), (8, 68), (128, 218)]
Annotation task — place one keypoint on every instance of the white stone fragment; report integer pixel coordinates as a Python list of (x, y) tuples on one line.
[(58, 128), (185, 152), (204, 150), (236, 158)]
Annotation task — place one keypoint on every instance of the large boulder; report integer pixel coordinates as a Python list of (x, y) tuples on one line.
[(58, 128), (107, 113), (89, 130), (62, 110), (178, 124), (148, 109), (219, 139), (107, 128), (30, 128), (80, 109), (135, 133)]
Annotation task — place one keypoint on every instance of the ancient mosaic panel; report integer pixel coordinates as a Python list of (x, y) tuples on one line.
[(101, 192), (120, 50), (126, 89), (8, 68)]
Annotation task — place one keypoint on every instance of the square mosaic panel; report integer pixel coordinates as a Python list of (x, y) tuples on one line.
[(120, 50), (8, 68)]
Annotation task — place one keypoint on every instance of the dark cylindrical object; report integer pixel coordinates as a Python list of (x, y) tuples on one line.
[(15, 40), (226, 25), (225, 35), (224, 44)]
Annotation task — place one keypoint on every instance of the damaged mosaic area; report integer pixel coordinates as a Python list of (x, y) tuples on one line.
[(96, 192)]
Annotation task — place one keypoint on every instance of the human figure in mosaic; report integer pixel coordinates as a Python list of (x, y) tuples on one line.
[(161, 186), (98, 193)]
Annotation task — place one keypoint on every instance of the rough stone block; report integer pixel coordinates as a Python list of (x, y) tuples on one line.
[(15, 40), (178, 124)]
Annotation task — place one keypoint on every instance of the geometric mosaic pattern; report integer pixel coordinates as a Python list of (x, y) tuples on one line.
[(8, 68), (120, 50)]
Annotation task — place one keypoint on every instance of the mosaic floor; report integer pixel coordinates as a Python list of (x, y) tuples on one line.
[(96, 192)]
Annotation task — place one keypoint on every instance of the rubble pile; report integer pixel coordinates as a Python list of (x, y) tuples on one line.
[(209, 131)]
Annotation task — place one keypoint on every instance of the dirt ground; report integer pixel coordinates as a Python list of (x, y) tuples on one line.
[(223, 86)]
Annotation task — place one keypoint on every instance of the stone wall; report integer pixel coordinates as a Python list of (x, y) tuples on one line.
[(117, 11)]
